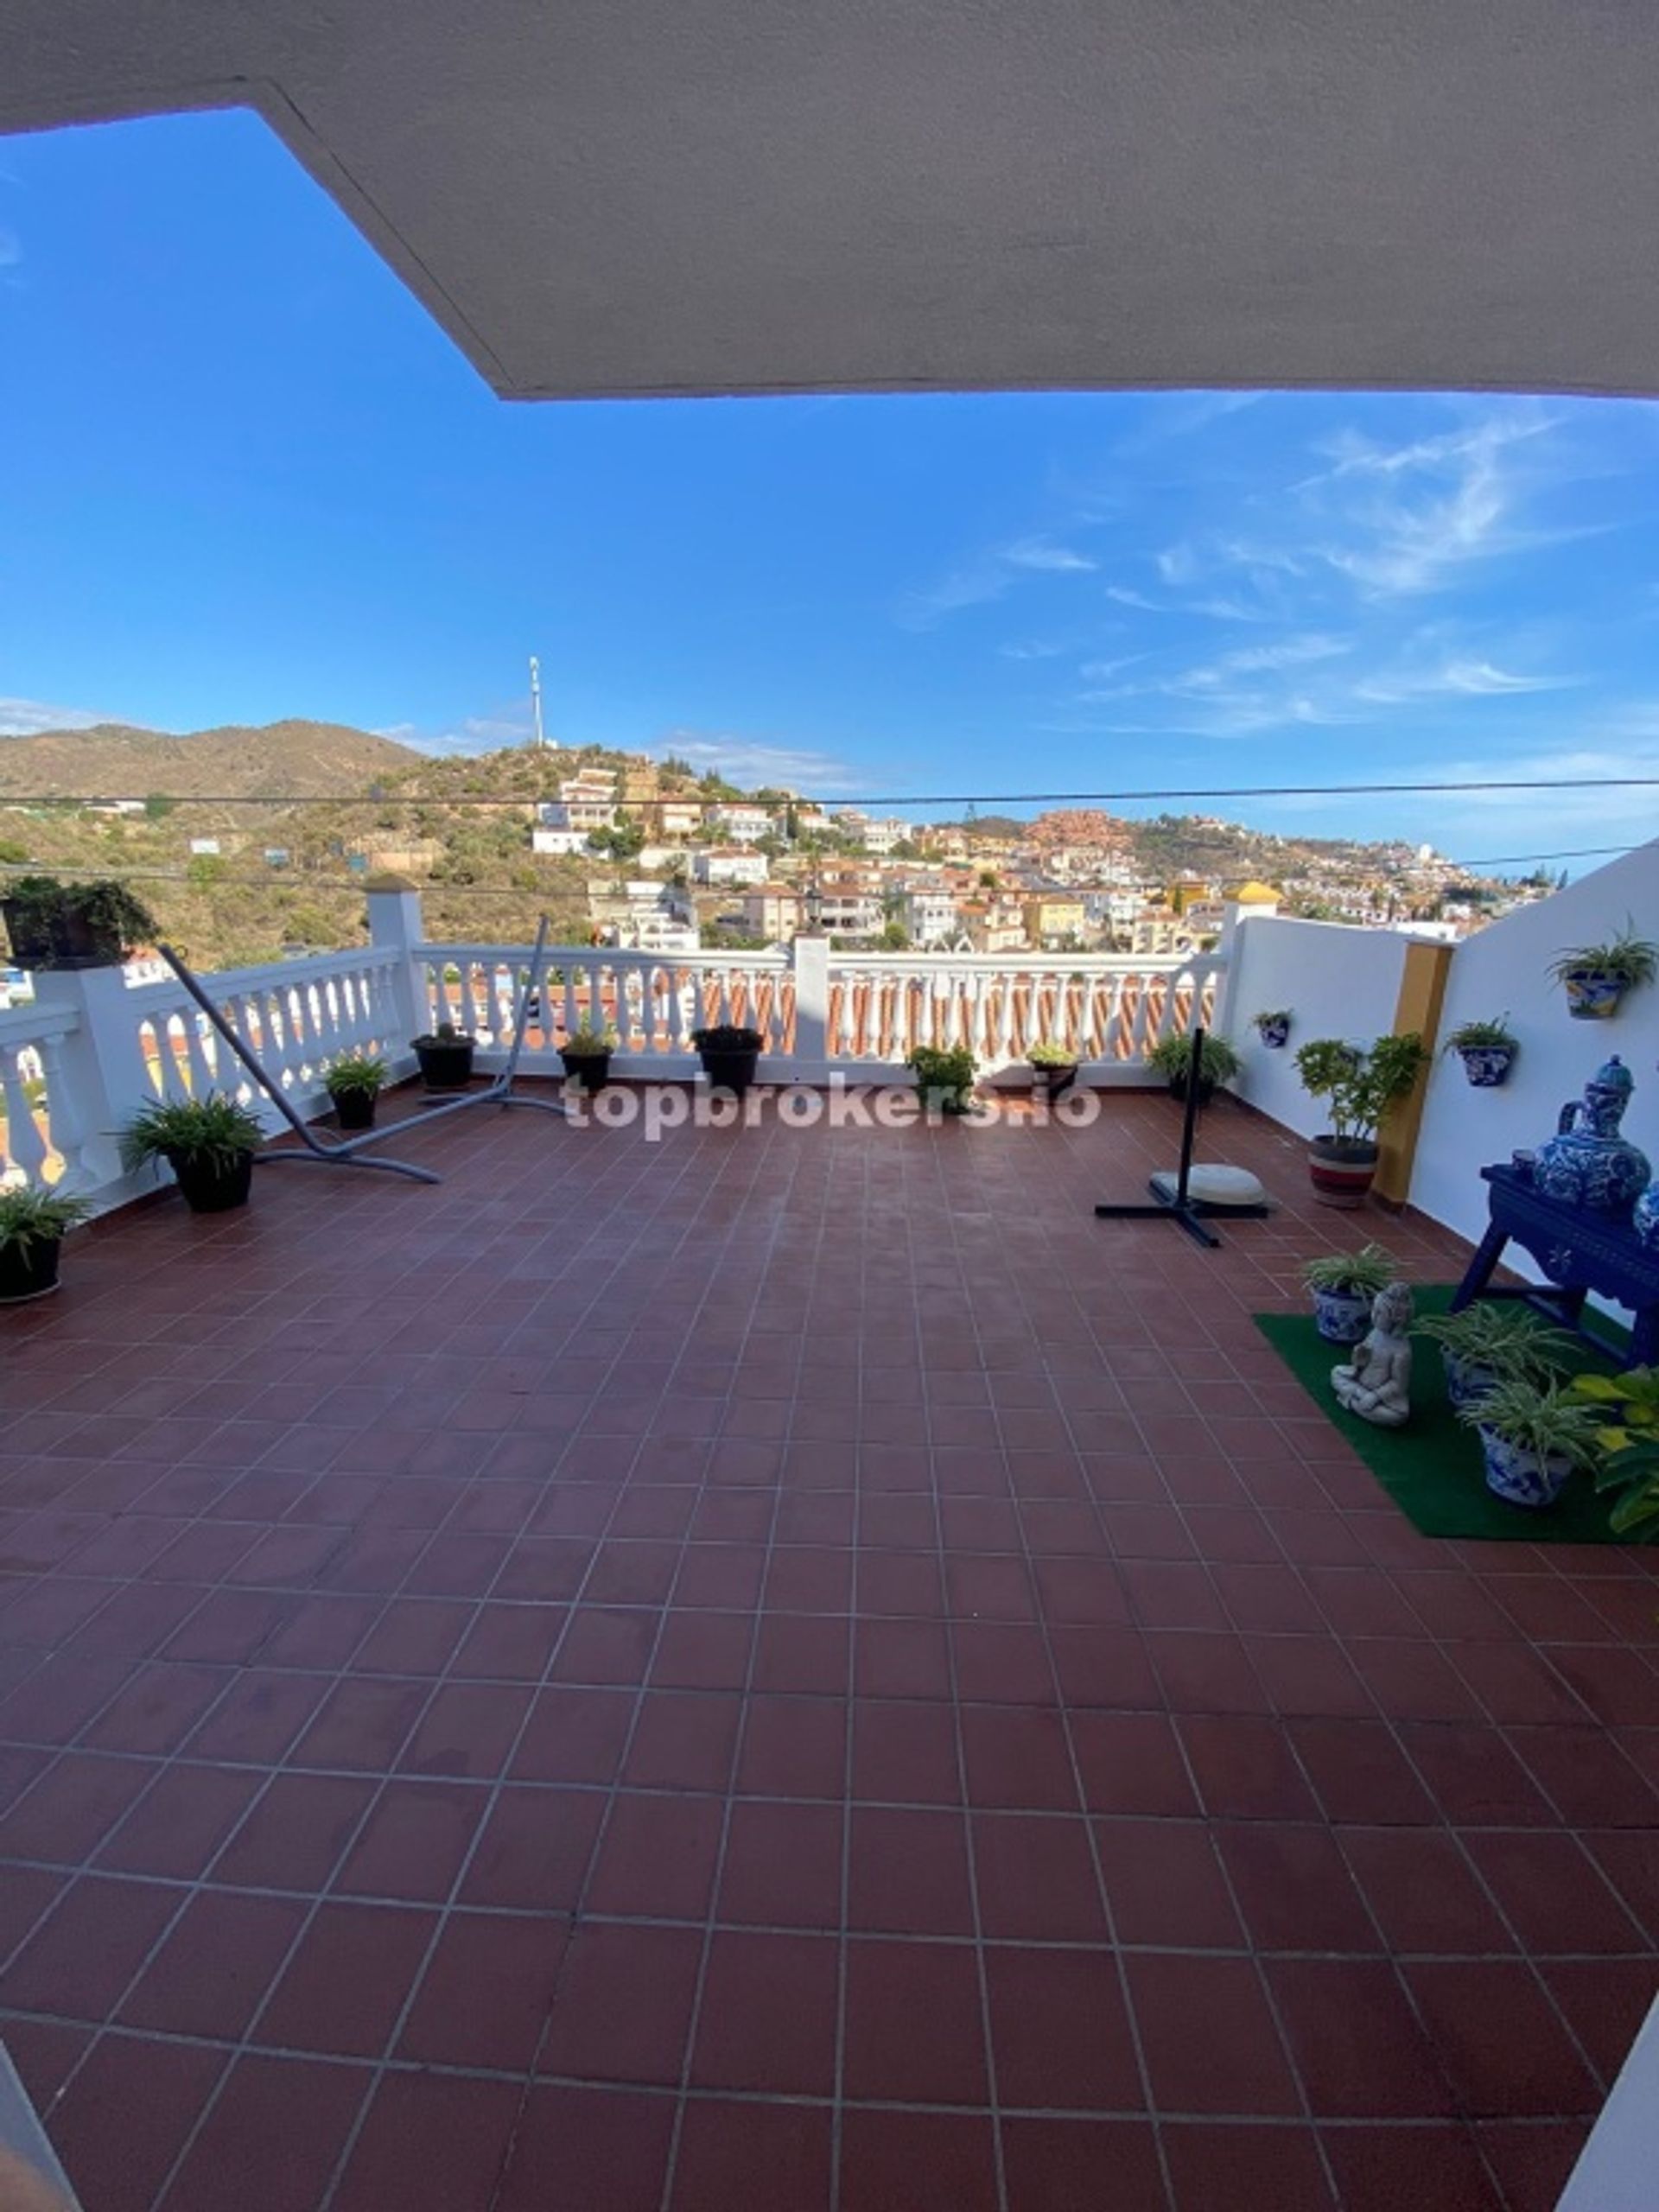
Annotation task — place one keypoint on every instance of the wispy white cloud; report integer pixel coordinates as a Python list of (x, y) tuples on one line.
[(1030, 649), (28, 717), (11, 248), (1178, 565), (751, 761), (1047, 557), (1124, 595)]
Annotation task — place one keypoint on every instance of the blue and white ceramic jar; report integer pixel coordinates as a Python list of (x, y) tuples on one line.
[(1587, 1163), (1486, 1066), (1645, 1219), (1520, 1475)]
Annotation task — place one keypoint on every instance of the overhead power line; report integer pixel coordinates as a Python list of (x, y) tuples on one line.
[(899, 798)]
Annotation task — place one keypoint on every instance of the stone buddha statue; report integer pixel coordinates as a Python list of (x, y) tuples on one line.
[(1376, 1384)]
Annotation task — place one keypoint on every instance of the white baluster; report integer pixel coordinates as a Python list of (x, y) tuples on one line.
[(69, 1136), (26, 1150)]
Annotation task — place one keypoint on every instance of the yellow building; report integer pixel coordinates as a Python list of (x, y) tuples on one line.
[(1051, 917)]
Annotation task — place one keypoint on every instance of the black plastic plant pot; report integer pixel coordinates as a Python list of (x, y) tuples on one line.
[(354, 1110), (587, 1071), (209, 1188), (28, 1270), (65, 940), (732, 1071), (1206, 1088), (445, 1067), (1053, 1083)]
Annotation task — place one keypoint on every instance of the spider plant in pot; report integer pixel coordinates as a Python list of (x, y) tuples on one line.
[(354, 1082), (1628, 1407), (944, 1076), (1054, 1067), (1273, 1028), (1487, 1050), (445, 1056), (730, 1054), (1490, 1341), (1172, 1057), (54, 924), (587, 1056), (1596, 976), (208, 1142), (1343, 1285), (1533, 1436), (33, 1224), (1362, 1086)]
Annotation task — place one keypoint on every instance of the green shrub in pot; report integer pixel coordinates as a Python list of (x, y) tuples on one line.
[(209, 1143), (33, 1225)]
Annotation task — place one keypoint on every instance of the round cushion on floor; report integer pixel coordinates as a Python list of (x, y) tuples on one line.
[(1216, 1187)]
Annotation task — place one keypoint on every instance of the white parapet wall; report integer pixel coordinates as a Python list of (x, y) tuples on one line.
[(1503, 971), (1335, 982)]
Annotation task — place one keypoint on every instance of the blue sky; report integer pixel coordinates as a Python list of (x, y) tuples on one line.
[(243, 476)]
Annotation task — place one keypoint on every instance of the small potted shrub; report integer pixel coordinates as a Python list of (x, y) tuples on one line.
[(208, 1142), (1596, 976), (1343, 1285), (944, 1076), (1172, 1057), (354, 1083), (730, 1055), (445, 1056), (587, 1056), (1363, 1087), (1628, 1407), (54, 924), (33, 1224), (1487, 1050), (1490, 1341), (1053, 1068), (1533, 1436), (1274, 1029)]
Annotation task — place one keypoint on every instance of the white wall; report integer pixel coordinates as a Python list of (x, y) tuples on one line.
[(1503, 970), (1336, 982)]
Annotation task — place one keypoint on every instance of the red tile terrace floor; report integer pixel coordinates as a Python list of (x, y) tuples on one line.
[(782, 1670)]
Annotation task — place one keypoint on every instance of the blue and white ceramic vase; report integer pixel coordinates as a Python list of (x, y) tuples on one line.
[(1645, 1219), (1520, 1475), (1487, 1066), (1342, 1316), (1273, 1029), (1587, 1163)]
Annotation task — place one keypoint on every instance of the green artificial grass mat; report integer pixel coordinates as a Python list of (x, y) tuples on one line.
[(1432, 1468)]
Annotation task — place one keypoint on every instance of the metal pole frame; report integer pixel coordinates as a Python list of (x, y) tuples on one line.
[(348, 1152), (1177, 1205)]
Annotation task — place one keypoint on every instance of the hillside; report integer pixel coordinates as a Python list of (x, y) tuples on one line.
[(289, 760)]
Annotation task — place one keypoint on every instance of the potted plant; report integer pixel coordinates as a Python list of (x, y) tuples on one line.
[(1272, 1028), (944, 1076), (1597, 976), (445, 1056), (1172, 1057), (1053, 1068), (1343, 1285), (1628, 1407), (1361, 1087), (587, 1056), (1490, 1341), (1487, 1050), (208, 1142), (54, 924), (354, 1082), (1533, 1436), (33, 1224), (729, 1054)]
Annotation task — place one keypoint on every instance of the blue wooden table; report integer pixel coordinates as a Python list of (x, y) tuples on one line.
[(1580, 1252)]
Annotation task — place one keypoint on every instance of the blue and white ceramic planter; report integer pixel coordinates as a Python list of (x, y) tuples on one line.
[(1591, 995), (1465, 1379), (1273, 1033), (1340, 1317), (1587, 1163), (1487, 1066), (1519, 1476), (1645, 1218)]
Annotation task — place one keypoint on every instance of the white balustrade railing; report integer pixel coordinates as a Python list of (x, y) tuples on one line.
[(297, 1015), (42, 1136), (652, 1000), (1107, 1008), (78, 1062)]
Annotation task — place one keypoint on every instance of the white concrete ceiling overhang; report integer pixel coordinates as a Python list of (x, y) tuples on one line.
[(648, 196)]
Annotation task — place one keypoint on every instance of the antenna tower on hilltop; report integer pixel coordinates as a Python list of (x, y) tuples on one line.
[(539, 740)]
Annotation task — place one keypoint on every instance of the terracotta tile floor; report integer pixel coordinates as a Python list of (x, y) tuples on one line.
[(782, 1669)]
